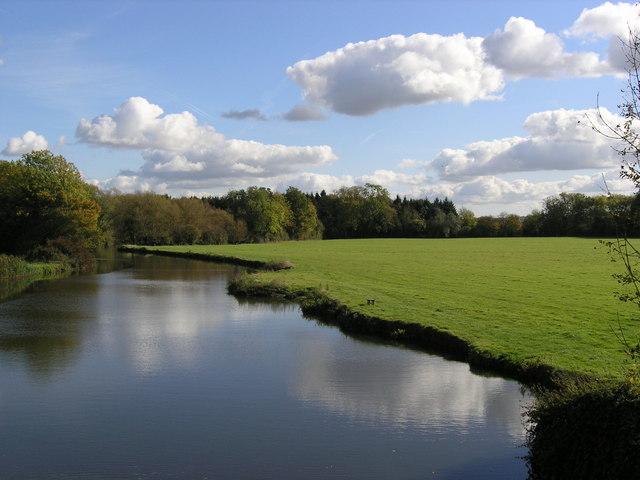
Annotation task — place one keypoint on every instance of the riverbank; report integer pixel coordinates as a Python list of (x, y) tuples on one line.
[(315, 303), (538, 310), (17, 274)]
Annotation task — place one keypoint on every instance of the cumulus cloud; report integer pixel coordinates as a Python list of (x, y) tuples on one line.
[(606, 20), (525, 50), (391, 179), (179, 151), (304, 113), (363, 78), (17, 146), (314, 182), (252, 114), (491, 194), (558, 140)]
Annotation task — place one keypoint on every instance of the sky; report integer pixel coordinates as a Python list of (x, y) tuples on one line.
[(487, 103)]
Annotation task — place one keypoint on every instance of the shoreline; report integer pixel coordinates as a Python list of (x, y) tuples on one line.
[(13, 285), (317, 304)]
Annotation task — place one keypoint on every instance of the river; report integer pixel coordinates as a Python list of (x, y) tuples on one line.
[(154, 371)]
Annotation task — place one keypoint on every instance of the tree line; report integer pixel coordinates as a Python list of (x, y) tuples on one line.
[(48, 211)]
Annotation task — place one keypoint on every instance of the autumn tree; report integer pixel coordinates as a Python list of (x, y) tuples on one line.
[(510, 225), (42, 198), (144, 218), (487, 226)]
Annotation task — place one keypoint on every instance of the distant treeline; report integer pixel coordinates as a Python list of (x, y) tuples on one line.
[(47, 212), (258, 214)]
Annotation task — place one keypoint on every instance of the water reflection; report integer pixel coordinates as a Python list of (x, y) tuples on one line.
[(394, 386), (150, 267), (44, 326), (169, 308), (160, 373)]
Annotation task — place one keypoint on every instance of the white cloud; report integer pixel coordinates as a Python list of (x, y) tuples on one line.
[(609, 20), (606, 20), (558, 140), (304, 113), (179, 151), (391, 179), (314, 182), (410, 163), (490, 194), (17, 146), (525, 50), (363, 78)]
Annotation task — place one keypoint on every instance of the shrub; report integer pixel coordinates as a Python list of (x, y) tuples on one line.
[(587, 432), (67, 251)]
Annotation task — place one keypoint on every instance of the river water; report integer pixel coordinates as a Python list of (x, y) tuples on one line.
[(153, 371)]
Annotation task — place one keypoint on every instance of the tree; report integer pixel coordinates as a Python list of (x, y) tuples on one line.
[(347, 210), (627, 136), (532, 224), (510, 225), (487, 226), (468, 221), (443, 224), (304, 216), (144, 218), (266, 213), (42, 198), (378, 215)]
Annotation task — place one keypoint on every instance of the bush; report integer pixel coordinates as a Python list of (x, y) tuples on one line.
[(66, 251), (586, 432)]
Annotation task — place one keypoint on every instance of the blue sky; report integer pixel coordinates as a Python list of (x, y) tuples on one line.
[(475, 100)]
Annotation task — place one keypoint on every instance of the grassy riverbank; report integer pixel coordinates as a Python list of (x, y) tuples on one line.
[(17, 274), (525, 301)]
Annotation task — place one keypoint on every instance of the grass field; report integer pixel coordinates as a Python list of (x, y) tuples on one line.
[(547, 300)]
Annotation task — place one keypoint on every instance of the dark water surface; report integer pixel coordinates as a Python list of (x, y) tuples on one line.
[(155, 372)]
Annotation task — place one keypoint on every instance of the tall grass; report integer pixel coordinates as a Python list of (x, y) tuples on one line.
[(12, 267), (17, 274)]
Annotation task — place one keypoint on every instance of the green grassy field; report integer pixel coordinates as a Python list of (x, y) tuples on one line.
[(547, 300)]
